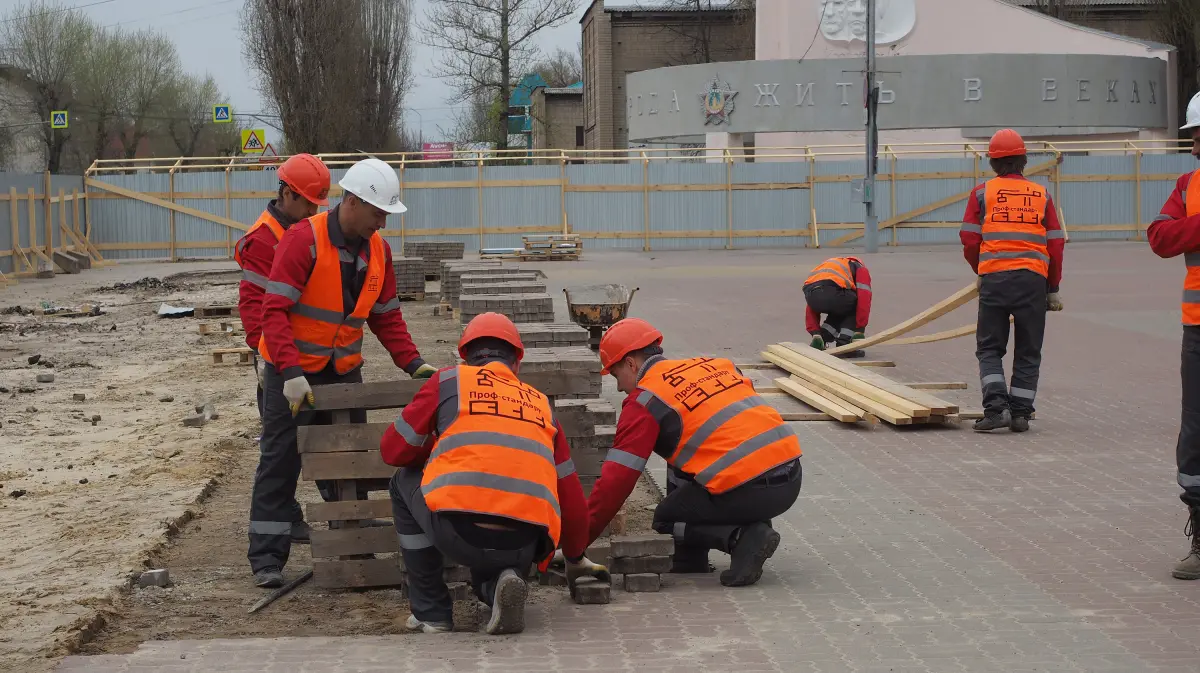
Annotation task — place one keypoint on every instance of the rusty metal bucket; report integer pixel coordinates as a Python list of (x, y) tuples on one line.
[(598, 307)]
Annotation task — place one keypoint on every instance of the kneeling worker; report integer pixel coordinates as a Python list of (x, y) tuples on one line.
[(486, 479), (840, 288), (733, 463)]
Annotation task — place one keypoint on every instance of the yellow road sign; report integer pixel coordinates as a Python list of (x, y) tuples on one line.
[(254, 141)]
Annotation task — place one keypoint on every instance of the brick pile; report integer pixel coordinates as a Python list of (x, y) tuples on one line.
[(501, 287), (532, 307), (552, 335), (452, 273), (590, 428), (641, 559), (434, 252), (579, 363), (410, 275)]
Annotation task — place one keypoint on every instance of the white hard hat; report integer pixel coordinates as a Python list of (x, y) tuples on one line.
[(375, 182), (1193, 114)]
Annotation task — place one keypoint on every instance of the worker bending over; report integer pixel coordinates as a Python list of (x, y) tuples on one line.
[(303, 187), (486, 480), (1012, 240), (839, 288), (733, 464), (331, 276), (1176, 231)]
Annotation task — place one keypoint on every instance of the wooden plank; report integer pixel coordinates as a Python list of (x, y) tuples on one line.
[(350, 465), (807, 416), (340, 438), (346, 510), (836, 391), (130, 194), (935, 405), (937, 385), (346, 541), (930, 314), (379, 572), (848, 387), (875, 363), (840, 412), (392, 394)]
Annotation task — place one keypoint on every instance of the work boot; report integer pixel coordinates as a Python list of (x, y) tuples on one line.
[(690, 560), (756, 543), (269, 578), (414, 624), (1189, 567), (508, 604), (991, 422), (301, 532), (1019, 423)]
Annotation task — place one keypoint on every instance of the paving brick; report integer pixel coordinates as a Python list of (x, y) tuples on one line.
[(649, 544), (591, 591), (600, 552), (410, 275), (633, 565)]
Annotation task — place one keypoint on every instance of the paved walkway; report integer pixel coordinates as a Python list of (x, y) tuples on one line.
[(918, 549)]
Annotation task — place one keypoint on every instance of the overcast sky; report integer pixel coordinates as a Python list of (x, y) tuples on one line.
[(208, 40)]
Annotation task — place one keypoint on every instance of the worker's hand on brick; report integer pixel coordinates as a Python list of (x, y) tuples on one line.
[(297, 391), (1053, 303), (582, 567), (424, 371), (817, 342), (859, 335)]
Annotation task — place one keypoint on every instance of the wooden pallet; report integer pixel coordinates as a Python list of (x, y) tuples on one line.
[(223, 327), (410, 296), (216, 311), (245, 355)]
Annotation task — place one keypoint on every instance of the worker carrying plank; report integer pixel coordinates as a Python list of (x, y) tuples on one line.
[(733, 463), (1176, 231), (1012, 240), (840, 289), (303, 188), (486, 480), (332, 275)]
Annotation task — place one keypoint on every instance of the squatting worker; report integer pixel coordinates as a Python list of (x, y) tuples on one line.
[(839, 288), (733, 463), (332, 275), (1012, 239), (1176, 231), (486, 479), (303, 187)]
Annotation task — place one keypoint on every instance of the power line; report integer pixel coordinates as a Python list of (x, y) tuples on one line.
[(57, 11), (180, 11)]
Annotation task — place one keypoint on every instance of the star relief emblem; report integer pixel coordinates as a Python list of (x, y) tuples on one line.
[(718, 102)]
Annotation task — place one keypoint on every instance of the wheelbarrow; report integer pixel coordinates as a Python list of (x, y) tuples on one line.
[(598, 307)]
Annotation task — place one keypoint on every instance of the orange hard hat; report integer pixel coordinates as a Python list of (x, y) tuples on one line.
[(624, 337), (1006, 143), (495, 325), (307, 176)]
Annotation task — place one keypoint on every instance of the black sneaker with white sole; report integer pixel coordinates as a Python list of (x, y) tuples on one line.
[(508, 604), (269, 578)]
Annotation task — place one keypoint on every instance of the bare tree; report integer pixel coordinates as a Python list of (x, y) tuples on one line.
[(1177, 22), (189, 111), (485, 44), (100, 91), (478, 121), (1067, 10), (562, 68), (708, 31), (152, 68)]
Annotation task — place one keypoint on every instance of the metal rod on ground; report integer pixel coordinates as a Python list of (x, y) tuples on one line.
[(871, 219), (281, 591)]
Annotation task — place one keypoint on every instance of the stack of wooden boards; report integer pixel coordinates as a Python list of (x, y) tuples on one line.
[(850, 393)]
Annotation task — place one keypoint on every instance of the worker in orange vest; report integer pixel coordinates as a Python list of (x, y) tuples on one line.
[(1176, 231), (486, 480), (733, 464), (1013, 241), (839, 288), (332, 276), (303, 188)]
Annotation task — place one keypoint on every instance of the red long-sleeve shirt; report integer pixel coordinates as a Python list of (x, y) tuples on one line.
[(294, 259), (862, 313), (419, 426), (257, 252), (971, 241), (638, 433), (1173, 233)]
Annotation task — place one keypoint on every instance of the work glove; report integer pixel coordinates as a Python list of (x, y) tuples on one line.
[(297, 391), (817, 342), (859, 335), (585, 568), (260, 370), (424, 371), (1053, 303), (978, 281)]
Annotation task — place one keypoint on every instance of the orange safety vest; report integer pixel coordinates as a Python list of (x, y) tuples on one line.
[(320, 326), (1191, 282), (836, 269), (1014, 231), (497, 456), (265, 220), (730, 435)]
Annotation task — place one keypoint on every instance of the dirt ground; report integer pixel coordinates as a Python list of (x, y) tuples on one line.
[(92, 492)]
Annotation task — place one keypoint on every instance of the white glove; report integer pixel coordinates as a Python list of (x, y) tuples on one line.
[(978, 281), (261, 370), (297, 391), (1053, 303)]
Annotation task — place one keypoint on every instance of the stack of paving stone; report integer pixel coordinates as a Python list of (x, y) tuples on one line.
[(434, 252), (590, 428), (521, 286), (576, 362), (453, 271), (410, 276), (641, 559), (530, 307), (552, 335)]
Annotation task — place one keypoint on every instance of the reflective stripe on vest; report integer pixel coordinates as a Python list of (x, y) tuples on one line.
[(836, 269), (321, 329), (729, 434), (1014, 231), (1191, 282), (497, 456), (265, 220)]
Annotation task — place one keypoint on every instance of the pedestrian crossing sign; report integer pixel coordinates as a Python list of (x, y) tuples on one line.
[(254, 141), (221, 114), (58, 119)]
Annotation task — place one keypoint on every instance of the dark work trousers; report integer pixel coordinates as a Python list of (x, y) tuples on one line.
[(700, 521), (1022, 295), (839, 305), (428, 539), (1187, 450), (273, 506), (259, 392)]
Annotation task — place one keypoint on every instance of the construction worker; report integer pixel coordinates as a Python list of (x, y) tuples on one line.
[(1012, 240), (839, 288), (486, 480), (303, 187), (331, 276), (733, 464), (1176, 231)]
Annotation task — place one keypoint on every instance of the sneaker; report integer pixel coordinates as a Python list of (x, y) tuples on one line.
[(508, 606), (414, 624), (754, 546), (993, 422), (269, 578), (301, 532), (1019, 424)]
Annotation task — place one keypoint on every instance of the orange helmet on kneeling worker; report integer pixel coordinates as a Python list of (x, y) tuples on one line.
[(307, 176), (624, 337), (1006, 143), (494, 325)]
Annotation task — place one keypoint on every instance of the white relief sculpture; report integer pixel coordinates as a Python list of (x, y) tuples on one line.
[(846, 20)]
